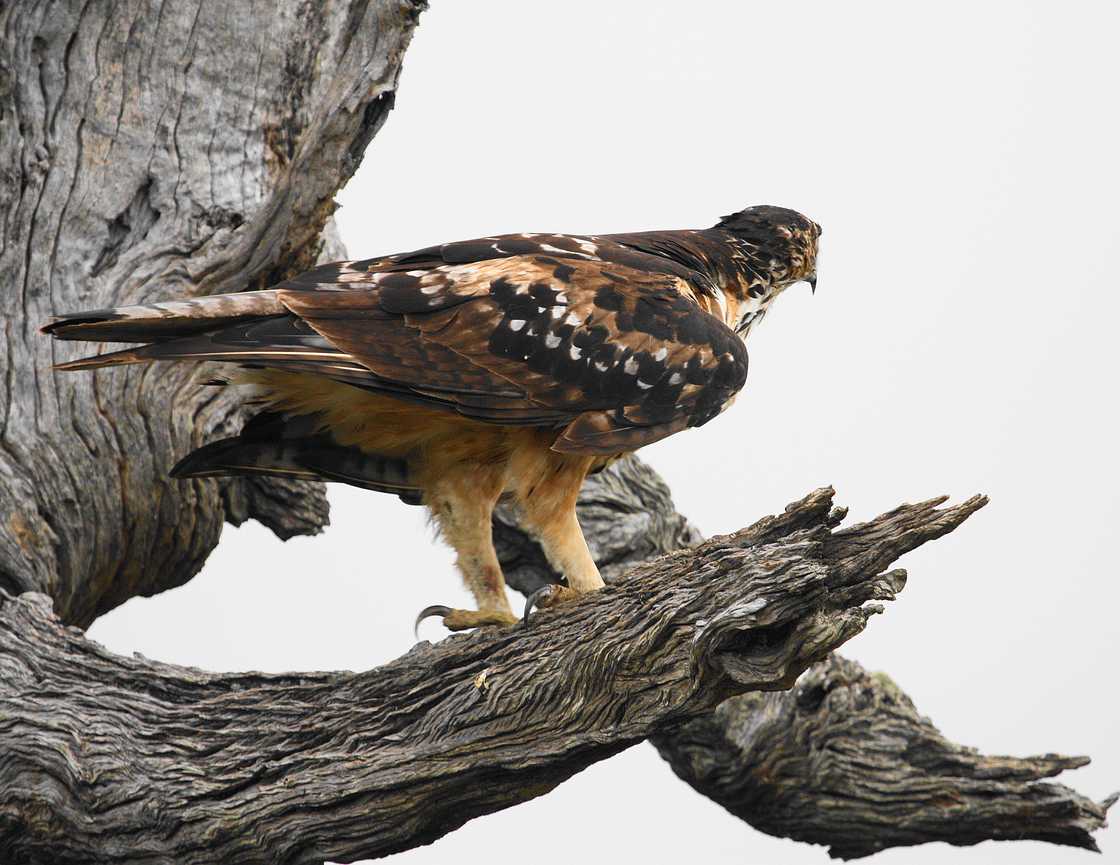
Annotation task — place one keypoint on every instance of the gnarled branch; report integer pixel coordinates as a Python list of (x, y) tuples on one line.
[(112, 759), (843, 759)]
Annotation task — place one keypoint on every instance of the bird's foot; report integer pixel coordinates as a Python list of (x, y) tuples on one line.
[(463, 620), (552, 595)]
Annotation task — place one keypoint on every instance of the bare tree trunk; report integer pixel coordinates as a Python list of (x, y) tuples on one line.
[(112, 759), (152, 150)]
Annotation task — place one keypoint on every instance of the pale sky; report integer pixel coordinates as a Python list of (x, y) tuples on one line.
[(962, 160)]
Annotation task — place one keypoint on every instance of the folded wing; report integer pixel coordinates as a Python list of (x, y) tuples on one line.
[(612, 355)]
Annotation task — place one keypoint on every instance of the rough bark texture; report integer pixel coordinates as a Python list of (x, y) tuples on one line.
[(111, 759), (843, 759), (149, 150)]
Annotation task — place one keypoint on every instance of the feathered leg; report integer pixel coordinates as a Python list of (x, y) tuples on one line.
[(462, 504), (546, 490)]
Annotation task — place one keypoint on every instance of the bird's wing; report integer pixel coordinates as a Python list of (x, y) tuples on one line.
[(678, 253), (618, 356)]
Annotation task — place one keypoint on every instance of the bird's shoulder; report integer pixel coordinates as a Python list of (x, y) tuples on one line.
[(628, 353), (521, 305), (682, 254)]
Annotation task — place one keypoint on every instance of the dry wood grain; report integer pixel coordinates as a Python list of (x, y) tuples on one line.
[(843, 759), (112, 759)]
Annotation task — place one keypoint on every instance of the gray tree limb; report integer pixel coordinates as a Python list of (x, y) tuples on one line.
[(843, 759), (111, 759), (151, 150)]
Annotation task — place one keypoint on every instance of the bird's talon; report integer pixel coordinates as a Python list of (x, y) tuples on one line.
[(428, 612), (534, 601), (545, 597), (464, 620)]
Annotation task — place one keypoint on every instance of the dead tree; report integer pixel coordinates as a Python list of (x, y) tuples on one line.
[(155, 150)]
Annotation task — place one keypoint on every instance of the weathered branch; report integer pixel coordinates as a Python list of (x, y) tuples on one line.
[(149, 151), (113, 759), (843, 759)]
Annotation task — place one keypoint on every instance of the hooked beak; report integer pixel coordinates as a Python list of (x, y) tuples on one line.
[(812, 280)]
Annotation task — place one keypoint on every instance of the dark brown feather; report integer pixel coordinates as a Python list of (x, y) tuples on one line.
[(510, 341), (597, 336)]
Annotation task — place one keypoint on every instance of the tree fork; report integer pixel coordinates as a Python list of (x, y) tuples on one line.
[(112, 759), (843, 759)]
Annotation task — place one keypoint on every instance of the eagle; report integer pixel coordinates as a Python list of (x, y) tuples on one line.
[(455, 375)]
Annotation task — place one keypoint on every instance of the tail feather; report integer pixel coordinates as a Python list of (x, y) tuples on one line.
[(274, 444), (112, 358), (247, 328), (208, 347), (158, 322), (251, 329)]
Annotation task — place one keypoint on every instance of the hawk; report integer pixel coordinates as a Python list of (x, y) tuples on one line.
[(512, 365)]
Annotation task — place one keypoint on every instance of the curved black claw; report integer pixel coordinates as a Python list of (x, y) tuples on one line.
[(534, 600), (427, 612)]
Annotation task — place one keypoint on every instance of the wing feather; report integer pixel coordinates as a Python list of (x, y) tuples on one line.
[(617, 356), (599, 338)]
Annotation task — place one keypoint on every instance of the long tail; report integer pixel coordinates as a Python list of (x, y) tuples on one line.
[(248, 328), (160, 323), (294, 446)]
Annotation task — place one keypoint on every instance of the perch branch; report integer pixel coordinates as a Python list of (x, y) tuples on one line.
[(843, 759), (111, 759)]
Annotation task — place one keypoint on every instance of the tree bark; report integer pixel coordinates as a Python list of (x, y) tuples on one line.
[(111, 759), (843, 759), (152, 150)]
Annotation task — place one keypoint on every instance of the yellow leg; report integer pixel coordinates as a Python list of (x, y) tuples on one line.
[(461, 504), (546, 487)]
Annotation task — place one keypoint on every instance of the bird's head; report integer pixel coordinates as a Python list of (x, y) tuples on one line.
[(777, 248), (782, 242)]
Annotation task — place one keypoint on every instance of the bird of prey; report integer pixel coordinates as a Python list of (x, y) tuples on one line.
[(512, 365)]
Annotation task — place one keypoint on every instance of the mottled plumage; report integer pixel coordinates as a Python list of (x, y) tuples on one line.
[(509, 364)]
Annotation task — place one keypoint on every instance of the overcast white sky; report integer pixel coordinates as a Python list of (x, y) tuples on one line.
[(962, 160)]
